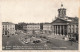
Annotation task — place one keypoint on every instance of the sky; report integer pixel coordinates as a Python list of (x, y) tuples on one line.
[(35, 11)]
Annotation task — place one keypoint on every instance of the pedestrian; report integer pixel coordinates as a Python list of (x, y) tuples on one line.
[(71, 41)]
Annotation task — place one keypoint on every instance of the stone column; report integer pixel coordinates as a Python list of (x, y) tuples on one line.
[(63, 30), (57, 29), (67, 30), (71, 28), (75, 28), (60, 30), (53, 29)]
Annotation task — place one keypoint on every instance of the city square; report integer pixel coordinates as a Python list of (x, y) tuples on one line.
[(56, 44), (60, 34)]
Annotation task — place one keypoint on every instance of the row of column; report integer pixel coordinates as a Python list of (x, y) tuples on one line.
[(59, 29)]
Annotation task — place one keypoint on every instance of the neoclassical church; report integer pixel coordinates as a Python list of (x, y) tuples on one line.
[(64, 25)]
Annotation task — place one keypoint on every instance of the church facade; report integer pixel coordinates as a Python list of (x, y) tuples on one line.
[(64, 25)]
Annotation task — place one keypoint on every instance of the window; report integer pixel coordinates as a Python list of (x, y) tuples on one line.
[(3, 26)]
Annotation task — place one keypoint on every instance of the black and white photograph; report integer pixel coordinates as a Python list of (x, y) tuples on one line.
[(40, 24)]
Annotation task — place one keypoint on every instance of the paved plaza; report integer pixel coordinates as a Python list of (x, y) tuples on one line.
[(53, 44)]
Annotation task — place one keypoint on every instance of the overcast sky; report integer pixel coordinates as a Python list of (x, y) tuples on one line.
[(35, 11)]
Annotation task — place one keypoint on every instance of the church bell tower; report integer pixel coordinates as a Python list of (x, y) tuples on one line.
[(61, 12)]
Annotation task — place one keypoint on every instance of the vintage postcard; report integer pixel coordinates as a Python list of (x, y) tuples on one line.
[(39, 25)]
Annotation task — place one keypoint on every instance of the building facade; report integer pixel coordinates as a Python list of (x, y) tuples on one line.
[(32, 28), (47, 28), (8, 28), (73, 27), (64, 25), (43, 27)]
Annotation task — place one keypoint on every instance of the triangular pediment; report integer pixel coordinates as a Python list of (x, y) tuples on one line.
[(59, 21)]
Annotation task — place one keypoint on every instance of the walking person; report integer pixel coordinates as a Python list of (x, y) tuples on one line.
[(71, 41)]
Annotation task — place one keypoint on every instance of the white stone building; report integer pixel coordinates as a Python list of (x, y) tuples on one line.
[(31, 27), (8, 28), (47, 28)]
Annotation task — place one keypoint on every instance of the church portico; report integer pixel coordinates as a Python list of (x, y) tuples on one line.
[(59, 29)]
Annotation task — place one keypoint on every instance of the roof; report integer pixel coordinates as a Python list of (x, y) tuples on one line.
[(33, 24), (46, 23), (74, 19), (59, 20), (66, 20), (7, 23)]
